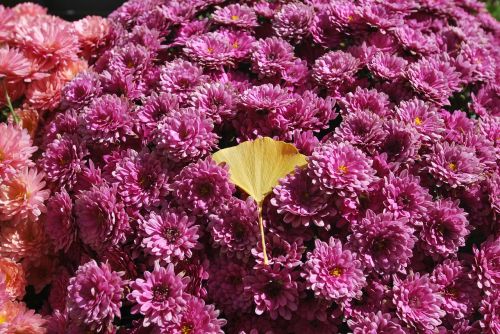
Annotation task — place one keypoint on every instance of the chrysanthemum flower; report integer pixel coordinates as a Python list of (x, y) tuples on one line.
[(22, 196), (160, 297), (339, 167), (92, 33), (460, 294), (376, 323), (300, 201), (445, 228), (100, 217), (185, 136), (435, 79), (334, 68), (280, 251), (490, 309), (141, 179), (197, 317), (154, 109), (59, 221), (227, 288), (363, 129), (422, 117), (26, 239), (487, 265), (234, 227), (94, 296), (15, 149), (369, 100), (387, 66), (107, 120), (15, 281), (237, 15), (418, 304), (211, 50), (271, 55), (180, 77), (293, 21), (170, 236), (216, 100), (333, 272), (17, 318), (454, 165), (14, 66), (384, 242), (81, 90), (63, 159), (274, 290), (203, 186)]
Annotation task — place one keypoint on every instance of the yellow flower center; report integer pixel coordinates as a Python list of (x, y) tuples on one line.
[(235, 45), (186, 329), (343, 169), (210, 50), (235, 17), (18, 191), (2, 155), (3, 319), (418, 121), (335, 271), (452, 166)]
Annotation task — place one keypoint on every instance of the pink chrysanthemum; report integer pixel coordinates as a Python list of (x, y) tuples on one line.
[(185, 136), (271, 55), (108, 120), (169, 237), (454, 165), (435, 79), (160, 296), (362, 128), (417, 302), (94, 296), (17, 318), (142, 182), (237, 15), (376, 323), (384, 242), (100, 217), (92, 33), (490, 309), (460, 295), (14, 66), (422, 117), (197, 317), (487, 265), (22, 196), (203, 186), (59, 221), (341, 168), (234, 227), (369, 100), (445, 228), (387, 66), (154, 109), (334, 68), (216, 100), (212, 49), (15, 280), (81, 90), (332, 272), (23, 240), (15, 149), (180, 77), (293, 20), (274, 290), (300, 201)]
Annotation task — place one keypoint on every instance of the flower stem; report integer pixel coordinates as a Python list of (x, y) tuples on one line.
[(262, 237), (15, 116)]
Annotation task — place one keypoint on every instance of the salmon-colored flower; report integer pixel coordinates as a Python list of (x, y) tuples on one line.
[(15, 282), (92, 33), (24, 240)]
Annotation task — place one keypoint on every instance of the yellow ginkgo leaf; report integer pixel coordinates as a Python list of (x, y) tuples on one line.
[(256, 167)]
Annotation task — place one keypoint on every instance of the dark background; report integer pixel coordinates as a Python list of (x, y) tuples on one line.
[(73, 9)]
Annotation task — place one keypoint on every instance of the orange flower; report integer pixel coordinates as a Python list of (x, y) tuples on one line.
[(14, 278)]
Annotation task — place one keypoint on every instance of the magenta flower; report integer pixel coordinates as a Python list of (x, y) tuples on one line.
[(363, 129), (341, 168), (384, 242), (367, 100), (376, 323), (445, 228), (387, 66), (490, 309), (301, 202), (94, 296), (487, 265), (180, 77), (202, 187), (332, 272), (100, 217), (212, 49), (234, 228), (169, 237), (59, 221), (160, 296), (216, 100), (275, 290), (15, 148), (237, 15), (334, 68), (197, 317), (435, 79), (417, 302), (270, 56), (422, 117), (155, 108), (292, 21), (81, 90)]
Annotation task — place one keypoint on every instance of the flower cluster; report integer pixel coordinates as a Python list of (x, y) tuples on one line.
[(392, 226), (39, 54)]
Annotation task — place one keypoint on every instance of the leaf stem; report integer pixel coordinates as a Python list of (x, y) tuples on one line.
[(262, 237), (15, 116)]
